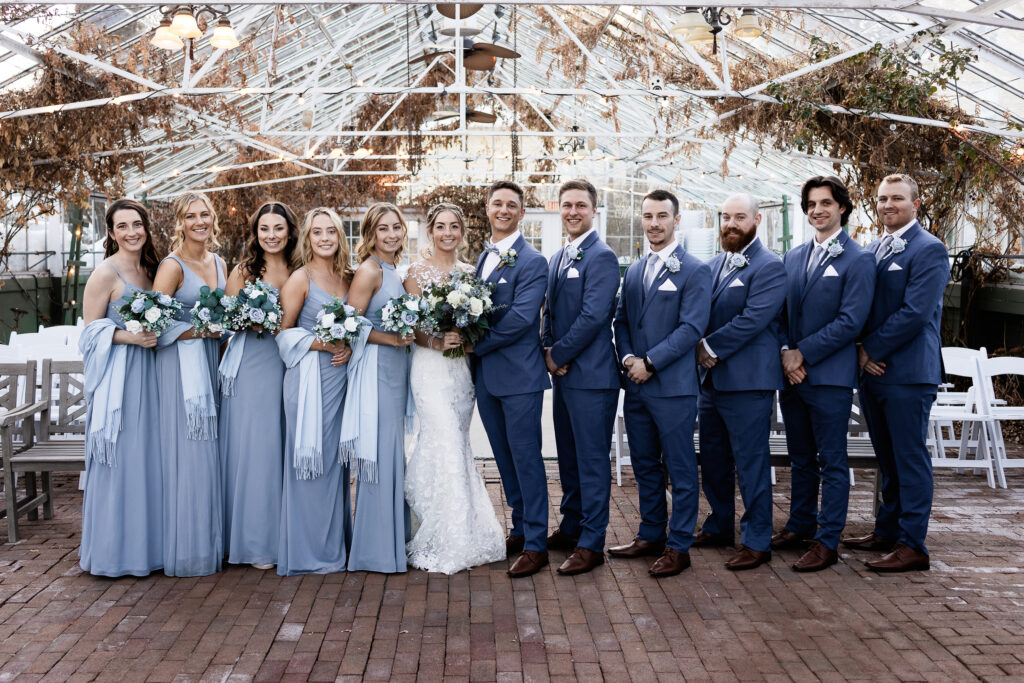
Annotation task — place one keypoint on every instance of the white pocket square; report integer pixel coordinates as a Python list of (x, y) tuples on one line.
[(894, 266), (667, 286), (573, 273), (736, 283), (502, 281), (831, 272)]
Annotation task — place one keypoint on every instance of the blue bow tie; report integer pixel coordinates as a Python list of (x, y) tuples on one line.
[(490, 248)]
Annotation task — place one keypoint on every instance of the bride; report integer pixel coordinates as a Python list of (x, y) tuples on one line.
[(458, 527)]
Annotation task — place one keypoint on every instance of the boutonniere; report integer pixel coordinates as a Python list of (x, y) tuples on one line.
[(672, 264), (508, 258), (739, 261), (573, 252), (834, 249), (898, 245)]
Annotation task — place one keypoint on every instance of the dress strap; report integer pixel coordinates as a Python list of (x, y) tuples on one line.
[(117, 272)]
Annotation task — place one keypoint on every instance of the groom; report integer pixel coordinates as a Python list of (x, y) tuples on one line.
[(511, 377)]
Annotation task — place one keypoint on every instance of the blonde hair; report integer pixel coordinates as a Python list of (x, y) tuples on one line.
[(432, 215), (915, 191), (368, 228), (181, 204), (303, 254)]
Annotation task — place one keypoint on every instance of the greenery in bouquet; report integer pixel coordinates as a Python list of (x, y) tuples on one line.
[(147, 311), (338, 322), (462, 303), (256, 307), (402, 315), (210, 313)]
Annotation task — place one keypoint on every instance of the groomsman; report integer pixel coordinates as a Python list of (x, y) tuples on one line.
[(661, 314), (740, 373), (583, 278), (829, 280), (900, 358), (510, 376)]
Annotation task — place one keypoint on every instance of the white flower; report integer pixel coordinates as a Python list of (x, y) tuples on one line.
[(272, 317), (476, 306), (387, 311), (327, 320), (152, 315), (351, 324), (226, 301), (455, 297), (672, 263), (254, 293), (465, 288), (739, 261), (834, 248), (433, 300), (897, 245), (413, 304), (164, 300), (216, 327), (133, 326)]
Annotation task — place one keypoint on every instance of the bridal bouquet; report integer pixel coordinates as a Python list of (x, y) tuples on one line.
[(210, 314), (255, 308), (462, 303), (146, 311), (337, 322), (402, 315)]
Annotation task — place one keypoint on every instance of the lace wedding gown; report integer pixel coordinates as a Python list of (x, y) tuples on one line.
[(458, 527)]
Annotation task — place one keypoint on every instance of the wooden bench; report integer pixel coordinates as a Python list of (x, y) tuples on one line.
[(52, 432)]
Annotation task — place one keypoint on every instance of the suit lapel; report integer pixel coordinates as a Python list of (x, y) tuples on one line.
[(662, 276), (553, 274), (889, 257)]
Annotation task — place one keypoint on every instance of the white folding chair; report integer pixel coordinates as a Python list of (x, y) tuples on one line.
[(977, 434), (987, 369), (619, 436)]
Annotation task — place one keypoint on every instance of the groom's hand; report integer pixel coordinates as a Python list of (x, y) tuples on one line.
[(552, 368), (636, 370)]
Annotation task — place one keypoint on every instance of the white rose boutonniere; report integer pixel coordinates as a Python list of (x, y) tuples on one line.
[(898, 245), (672, 264), (508, 258), (834, 249), (739, 261), (573, 253)]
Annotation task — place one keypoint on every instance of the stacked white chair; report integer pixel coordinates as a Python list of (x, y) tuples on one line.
[(987, 369)]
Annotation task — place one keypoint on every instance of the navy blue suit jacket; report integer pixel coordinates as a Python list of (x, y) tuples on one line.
[(666, 325), (743, 326), (823, 315), (510, 355), (578, 316), (903, 329)]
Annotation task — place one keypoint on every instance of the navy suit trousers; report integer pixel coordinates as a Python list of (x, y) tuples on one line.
[(583, 436), (660, 434), (817, 421), (897, 417), (734, 429)]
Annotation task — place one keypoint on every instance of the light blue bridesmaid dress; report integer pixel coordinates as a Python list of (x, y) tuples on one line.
[(316, 515), (381, 515), (193, 496), (251, 439), (122, 514)]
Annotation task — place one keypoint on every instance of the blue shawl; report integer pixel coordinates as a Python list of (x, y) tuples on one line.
[(196, 386), (105, 367)]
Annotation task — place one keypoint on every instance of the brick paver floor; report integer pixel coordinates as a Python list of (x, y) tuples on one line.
[(963, 620)]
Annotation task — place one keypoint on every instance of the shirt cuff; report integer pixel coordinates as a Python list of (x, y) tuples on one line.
[(708, 348), (785, 347), (627, 357)]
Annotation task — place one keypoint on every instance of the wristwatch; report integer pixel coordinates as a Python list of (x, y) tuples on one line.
[(649, 365)]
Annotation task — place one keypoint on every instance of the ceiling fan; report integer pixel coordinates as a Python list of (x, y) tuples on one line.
[(472, 115), (467, 10), (475, 56)]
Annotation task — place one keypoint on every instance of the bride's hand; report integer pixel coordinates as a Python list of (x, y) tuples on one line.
[(451, 340)]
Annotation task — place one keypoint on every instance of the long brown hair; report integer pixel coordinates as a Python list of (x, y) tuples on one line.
[(435, 211), (303, 254), (368, 227), (254, 261), (148, 258), (181, 204)]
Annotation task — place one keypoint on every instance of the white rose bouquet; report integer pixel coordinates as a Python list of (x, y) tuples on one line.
[(462, 303), (257, 307), (402, 315), (146, 311), (338, 322), (210, 313)]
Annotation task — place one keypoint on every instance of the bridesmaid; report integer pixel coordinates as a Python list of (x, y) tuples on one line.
[(193, 506), (315, 512), (122, 514), (251, 440), (380, 522)]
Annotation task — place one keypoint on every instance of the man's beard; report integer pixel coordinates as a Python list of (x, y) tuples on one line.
[(734, 239)]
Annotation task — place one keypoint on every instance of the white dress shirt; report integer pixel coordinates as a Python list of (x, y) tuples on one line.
[(491, 261)]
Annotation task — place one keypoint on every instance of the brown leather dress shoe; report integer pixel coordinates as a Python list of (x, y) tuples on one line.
[(670, 563), (581, 561), (903, 558), (703, 539), (870, 542), (514, 544), (561, 541), (817, 558), (528, 564), (638, 548), (747, 558), (786, 539)]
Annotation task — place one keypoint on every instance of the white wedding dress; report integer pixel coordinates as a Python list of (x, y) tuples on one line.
[(458, 527)]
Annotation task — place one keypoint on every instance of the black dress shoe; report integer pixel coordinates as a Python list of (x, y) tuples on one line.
[(903, 558), (638, 548), (817, 558), (581, 561), (870, 542), (747, 558), (528, 564), (786, 539), (562, 541), (703, 539), (514, 544), (670, 563)]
